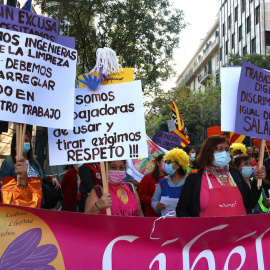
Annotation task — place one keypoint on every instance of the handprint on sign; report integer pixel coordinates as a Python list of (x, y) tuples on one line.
[(91, 82)]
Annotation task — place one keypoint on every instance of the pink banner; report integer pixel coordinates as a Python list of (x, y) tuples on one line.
[(45, 239)]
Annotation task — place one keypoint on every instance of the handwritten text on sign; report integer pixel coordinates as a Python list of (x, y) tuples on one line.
[(108, 125), (36, 80), (167, 140), (253, 102)]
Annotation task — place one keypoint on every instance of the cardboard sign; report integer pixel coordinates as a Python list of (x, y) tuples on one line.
[(171, 125), (63, 240), (108, 125), (253, 102), (212, 131), (166, 140), (20, 20), (125, 76), (37, 80)]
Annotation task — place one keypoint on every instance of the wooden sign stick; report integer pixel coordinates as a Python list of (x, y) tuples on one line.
[(104, 176), (259, 182)]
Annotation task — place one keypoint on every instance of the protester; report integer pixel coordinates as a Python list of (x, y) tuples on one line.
[(90, 175), (191, 151), (244, 165), (236, 150), (122, 197), (216, 190), (70, 186), (250, 154), (169, 188), (256, 153), (148, 186), (29, 169)]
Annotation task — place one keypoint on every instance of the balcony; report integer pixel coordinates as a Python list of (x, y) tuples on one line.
[(189, 76), (208, 74)]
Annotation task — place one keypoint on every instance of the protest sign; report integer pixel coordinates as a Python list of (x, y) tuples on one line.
[(66, 240), (36, 80), (212, 131), (229, 77), (166, 140), (171, 125), (137, 168), (253, 102), (125, 76), (108, 125), (20, 20)]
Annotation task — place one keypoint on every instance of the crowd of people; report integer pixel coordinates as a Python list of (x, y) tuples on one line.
[(219, 180)]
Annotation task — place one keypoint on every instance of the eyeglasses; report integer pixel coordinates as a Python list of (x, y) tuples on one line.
[(168, 161), (221, 149)]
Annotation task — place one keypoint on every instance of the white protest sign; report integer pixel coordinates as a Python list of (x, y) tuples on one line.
[(37, 80), (229, 77), (108, 125), (171, 125)]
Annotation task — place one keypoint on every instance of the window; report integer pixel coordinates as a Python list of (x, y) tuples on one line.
[(248, 24), (223, 29), (257, 15), (217, 59), (220, 54), (229, 22), (244, 50), (236, 14), (233, 40), (217, 78), (253, 45), (243, 5), (226, 47), (12, 3), (240, 33), (251, 1)]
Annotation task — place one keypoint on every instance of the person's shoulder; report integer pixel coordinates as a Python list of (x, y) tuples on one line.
[(266, 162)]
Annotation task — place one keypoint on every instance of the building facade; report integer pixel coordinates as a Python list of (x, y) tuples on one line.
[(204, 65)]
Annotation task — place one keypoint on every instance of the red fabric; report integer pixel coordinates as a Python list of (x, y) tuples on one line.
[(146, 191), (254, 163), (96, 173), (70, 189)]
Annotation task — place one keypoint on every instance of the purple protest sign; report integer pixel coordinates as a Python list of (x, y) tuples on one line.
[(27, 22), (166, 140), (253, 102)]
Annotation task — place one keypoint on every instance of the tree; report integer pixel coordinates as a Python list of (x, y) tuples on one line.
[(143, 33), (199, 110)]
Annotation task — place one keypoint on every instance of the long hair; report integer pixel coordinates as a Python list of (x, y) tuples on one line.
[(155, 172), (30, 155), (205, 157)]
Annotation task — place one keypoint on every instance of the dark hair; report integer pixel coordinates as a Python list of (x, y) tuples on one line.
[(181, 170), (205, 157), (30, 155), (238, 160), (188, 148), (155, 172)]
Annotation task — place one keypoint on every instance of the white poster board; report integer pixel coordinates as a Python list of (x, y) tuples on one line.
[(229, 77), (37, 80), (108, 125), (171, 125)]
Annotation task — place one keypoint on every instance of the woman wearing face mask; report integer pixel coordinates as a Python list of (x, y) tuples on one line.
[(216, 189), (148, 186), (169, 188), (244, 164), (236, 150), (191, 151), (122, 197)]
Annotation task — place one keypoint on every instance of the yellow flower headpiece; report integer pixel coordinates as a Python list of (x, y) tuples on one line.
[(238, 146), (179, 156)]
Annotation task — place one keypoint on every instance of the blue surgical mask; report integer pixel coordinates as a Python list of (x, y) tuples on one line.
[(222, 159), (192, 156), (247, 171), (26, 148), (168, 169), (79, 165)]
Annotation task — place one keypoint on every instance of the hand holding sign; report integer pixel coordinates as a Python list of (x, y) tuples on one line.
[(91, 82)]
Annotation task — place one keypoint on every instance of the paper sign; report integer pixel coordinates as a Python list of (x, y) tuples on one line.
[(125, 76), (20, 20), (108, 125), (229, 85), (253, 102), (36, 80), (171, 125), (212, 131), (170, 204), (166, 140)]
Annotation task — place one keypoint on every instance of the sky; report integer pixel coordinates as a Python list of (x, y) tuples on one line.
[(200, 15)]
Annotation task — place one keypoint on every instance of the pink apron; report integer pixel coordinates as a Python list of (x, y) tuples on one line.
[(124, 202), (224, 201)]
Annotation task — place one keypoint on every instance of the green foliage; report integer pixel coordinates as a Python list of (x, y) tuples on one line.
[(262, 61), (199, 110), (143, 33)]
